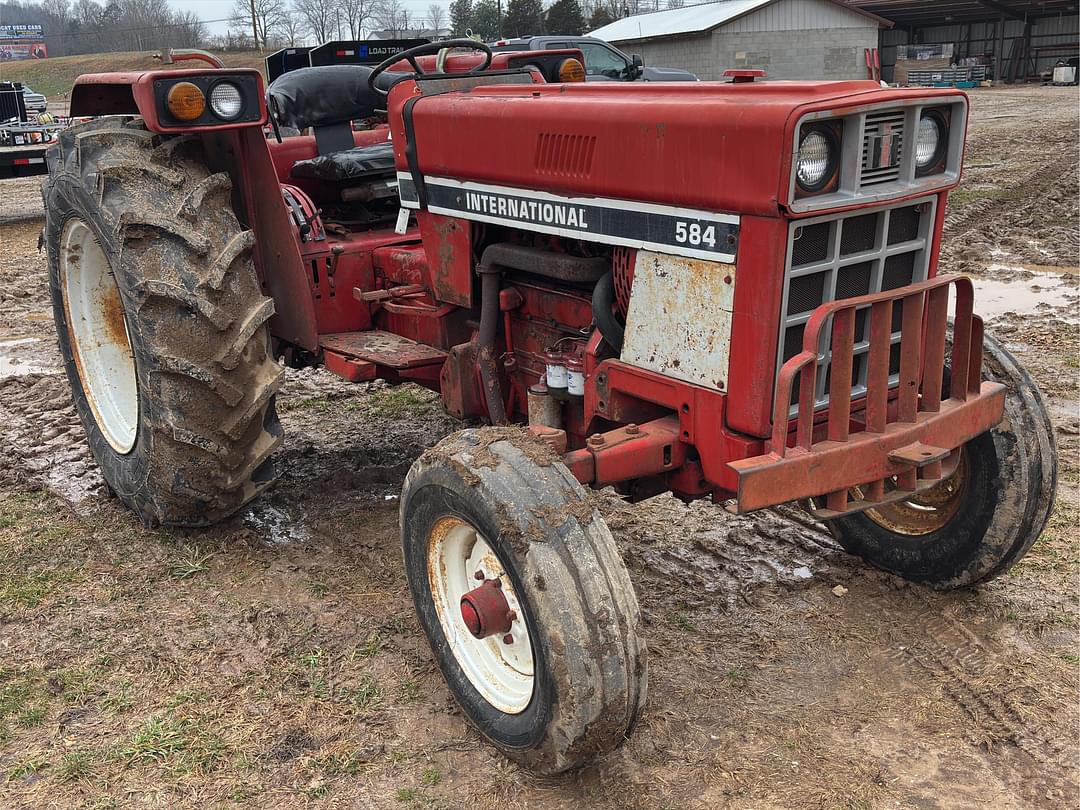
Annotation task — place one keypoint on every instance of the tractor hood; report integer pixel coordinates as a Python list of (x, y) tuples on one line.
[(714, 146)]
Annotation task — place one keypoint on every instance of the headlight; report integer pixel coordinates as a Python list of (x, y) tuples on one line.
[(815, 165), (930, 142), (226, 101)]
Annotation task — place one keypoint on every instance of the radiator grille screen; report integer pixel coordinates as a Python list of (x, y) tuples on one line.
[(844, 257)]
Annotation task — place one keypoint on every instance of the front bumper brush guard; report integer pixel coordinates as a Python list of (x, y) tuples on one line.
[(911, 438)]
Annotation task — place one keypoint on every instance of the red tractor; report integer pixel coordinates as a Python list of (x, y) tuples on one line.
[(722, 290)]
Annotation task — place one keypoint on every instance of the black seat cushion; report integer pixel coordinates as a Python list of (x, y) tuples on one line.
[(326, 95), (359, 163)]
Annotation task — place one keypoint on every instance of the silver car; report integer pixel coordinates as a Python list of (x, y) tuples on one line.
[(35, 102)]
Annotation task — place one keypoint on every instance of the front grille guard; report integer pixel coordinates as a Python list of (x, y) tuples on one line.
[(910, 438)]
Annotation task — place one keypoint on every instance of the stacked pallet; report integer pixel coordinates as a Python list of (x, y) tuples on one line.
[(921, 58)]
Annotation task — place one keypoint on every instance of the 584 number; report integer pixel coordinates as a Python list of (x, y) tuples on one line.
[(692, 233)]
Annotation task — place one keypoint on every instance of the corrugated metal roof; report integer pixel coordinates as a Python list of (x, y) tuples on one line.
[(689, 20), (685, 20)]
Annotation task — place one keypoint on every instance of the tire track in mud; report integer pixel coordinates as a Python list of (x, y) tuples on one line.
[(714, 560), (960, 221), (969, 672), (42, 442)]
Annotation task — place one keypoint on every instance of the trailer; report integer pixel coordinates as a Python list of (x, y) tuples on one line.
[(23, 146)]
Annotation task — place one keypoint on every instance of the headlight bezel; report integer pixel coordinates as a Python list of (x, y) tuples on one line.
[(246, 82), (936, 165), (851, 123), (830, 132)]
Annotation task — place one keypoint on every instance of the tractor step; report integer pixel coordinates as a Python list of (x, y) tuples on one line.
[(379, 349)]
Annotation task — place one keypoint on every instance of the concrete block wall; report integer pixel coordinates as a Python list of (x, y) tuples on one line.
[(834, 53)]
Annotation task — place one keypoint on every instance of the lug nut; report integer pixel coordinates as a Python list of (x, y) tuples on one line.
[(632, 430), (596, 440), (511, 616)]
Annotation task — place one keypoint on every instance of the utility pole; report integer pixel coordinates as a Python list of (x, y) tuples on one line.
[(498, 19), (254, 26)]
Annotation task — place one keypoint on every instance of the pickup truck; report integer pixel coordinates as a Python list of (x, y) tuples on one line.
[(603, 62)]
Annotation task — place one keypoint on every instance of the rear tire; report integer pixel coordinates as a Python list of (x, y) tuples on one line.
[(182, 290), (1005, 495), (562, 571)]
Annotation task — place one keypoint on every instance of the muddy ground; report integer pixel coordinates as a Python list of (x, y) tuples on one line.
[(274, 661)]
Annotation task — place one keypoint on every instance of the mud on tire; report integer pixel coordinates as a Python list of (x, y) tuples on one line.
[(194, 312), (589, 659)]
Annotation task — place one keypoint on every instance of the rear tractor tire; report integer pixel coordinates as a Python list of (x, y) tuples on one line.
[(524, 599), (161, 322), (980, 521)]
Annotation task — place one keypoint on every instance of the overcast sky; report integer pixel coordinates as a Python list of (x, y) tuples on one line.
[(220, 9)]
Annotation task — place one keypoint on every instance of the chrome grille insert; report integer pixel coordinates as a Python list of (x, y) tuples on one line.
[(882, 148), (844, 257)]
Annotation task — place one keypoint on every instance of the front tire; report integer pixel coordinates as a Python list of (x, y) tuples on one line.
[(495, 501), (161, 322), (978, 524)]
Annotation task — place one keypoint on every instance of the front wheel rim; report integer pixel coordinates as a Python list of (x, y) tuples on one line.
[(98, 334), (930, 510), (502, 673)]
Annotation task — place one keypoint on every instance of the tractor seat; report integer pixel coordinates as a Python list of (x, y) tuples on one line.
[(327, 99), (349, 165)]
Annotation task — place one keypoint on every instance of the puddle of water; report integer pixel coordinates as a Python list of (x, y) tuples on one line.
[(1036, 293), (12, 365), (277, 527)]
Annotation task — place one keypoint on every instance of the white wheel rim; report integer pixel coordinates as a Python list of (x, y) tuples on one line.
[(98, 334), (502, 673)]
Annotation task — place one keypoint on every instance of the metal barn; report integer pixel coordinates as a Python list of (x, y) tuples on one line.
[(789, 39)]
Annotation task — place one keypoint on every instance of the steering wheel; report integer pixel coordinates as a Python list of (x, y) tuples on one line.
[(427, 49)]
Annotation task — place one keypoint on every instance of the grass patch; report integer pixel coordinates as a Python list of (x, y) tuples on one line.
[(430, 777), (20, 694), (401, 401), (411, 691), (367, 696), (968, 196), (681, 620), (184, 745), (188, 563), (32, 716), (76, 765), (27, 768), (28, 590)]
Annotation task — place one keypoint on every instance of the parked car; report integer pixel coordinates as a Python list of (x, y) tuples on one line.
[(603, 61), (35, 102)]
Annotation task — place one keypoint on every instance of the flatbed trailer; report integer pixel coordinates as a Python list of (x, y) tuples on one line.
[(23, 147)]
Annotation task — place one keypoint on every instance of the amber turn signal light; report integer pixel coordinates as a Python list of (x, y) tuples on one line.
[(185, 101), (571, 70)]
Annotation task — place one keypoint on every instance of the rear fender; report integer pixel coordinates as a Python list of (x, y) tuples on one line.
[(243, 153), (132, 93)]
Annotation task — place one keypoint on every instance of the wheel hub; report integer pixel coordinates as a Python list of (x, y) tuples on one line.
[(485, 610)]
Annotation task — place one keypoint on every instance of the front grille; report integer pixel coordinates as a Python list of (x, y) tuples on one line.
[(844, 257), (882, 148)]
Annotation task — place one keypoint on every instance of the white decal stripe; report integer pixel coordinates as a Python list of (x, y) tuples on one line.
[(605, 202), (590, 235)]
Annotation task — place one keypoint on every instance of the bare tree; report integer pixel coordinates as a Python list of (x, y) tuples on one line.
[(357, 13), (319, 16), (393, 17), (291, 29), (268, 16), (436, 18)]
